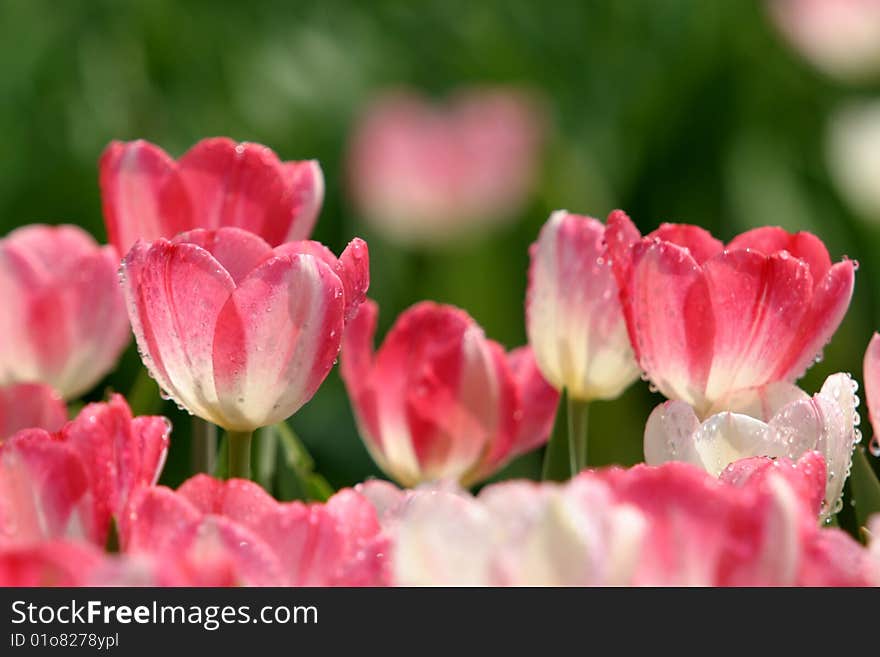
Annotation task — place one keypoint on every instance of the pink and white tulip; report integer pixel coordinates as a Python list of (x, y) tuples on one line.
[(781, 420), (672, 525), (439, 400), (217, 183), (709, 322), (27, 405), (426, 174), (260, 541), (238, 333), (840, 37), (573, 315), (871, 372), (63, 322), (73, 483)]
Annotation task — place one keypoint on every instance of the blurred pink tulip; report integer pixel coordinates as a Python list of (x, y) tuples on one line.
[(263, 542), (217, 183), (780, 421), (234, 331), (840, 37), (439, 400), (573, 314), (672, 525), (28, 405), (709, 322), (425, 174), (72, 563), (63, 322), (73, 483)]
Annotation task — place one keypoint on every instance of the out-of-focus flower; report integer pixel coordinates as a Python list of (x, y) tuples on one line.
[(27, 405), (573, 314), (63, 321), (50, 563), (217, 183), (708, 322), (840, 37), (780, 420), (77, 563), (424, 174), (438, 399), (854, 156), (263, 542), (670, 525), (73, 483), (234, 331)]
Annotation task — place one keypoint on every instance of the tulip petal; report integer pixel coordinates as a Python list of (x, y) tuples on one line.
[(772, 239), (676, 329), (44, 491), (305, 181), (220, 183), (573, 314), (831, 297), (538, 401), (758, 303), (871, 371), (131, 176), (355, 368), (30, 405), (698, 241), (669, 434), (237, 250), (174, 294), (277, 338)]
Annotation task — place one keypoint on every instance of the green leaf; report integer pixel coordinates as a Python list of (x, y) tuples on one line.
[(557, 462), (298, 480), (865, 487)]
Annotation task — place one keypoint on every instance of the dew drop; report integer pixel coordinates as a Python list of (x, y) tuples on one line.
[(874, 446)]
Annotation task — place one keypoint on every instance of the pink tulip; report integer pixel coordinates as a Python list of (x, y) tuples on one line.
[(573, 315), (264, 542), (781, 421), (708, 322), (671, 525), (236, 332), (871, 371), (217, 183), (841, 37), (51, 563), (27, 405), (424, 174), (439, 400), (71, 563), (73, 483), (63, 321)]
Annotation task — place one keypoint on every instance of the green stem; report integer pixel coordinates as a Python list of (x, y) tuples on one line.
[(204, 445), (143, 396), (578, 417), (239, 454), (267, 453)]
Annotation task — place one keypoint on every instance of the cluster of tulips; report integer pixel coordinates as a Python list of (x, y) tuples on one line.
[(239, 318)]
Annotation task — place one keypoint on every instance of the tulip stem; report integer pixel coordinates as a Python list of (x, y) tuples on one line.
[(204, 445), (239, 444), (578, 418)]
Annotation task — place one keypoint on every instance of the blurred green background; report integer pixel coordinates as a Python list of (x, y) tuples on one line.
[(671, 109)]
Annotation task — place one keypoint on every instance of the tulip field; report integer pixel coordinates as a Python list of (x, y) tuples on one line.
[(404, 297)]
